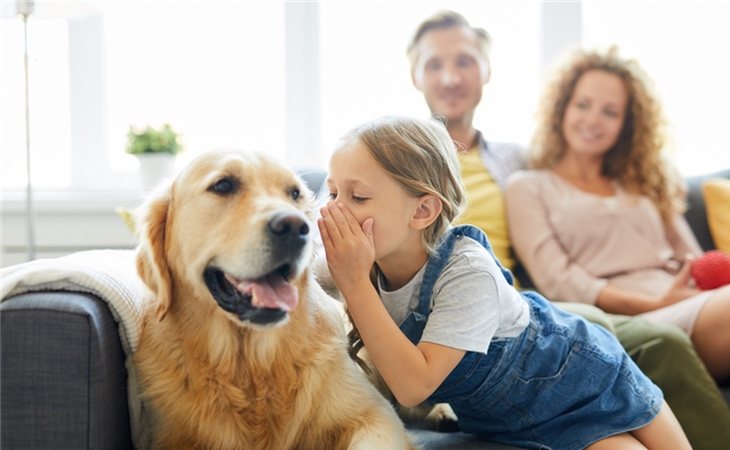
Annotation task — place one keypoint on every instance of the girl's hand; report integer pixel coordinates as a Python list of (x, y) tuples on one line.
[(682, 287), (348, 246)]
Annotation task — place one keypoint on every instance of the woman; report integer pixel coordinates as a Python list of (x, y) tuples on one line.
[(600, 218)]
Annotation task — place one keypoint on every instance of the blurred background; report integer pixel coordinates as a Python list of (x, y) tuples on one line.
[(289, 78)]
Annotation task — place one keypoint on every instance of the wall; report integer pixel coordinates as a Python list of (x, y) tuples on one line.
[(65, 223)]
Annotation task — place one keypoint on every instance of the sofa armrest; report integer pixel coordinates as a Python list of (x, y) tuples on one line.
[(64, 382), (313, 178)]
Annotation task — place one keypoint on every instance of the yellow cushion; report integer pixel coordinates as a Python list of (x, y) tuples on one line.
[(716, 193)]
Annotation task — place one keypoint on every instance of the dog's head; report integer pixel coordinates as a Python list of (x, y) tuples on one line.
[(233, 229)]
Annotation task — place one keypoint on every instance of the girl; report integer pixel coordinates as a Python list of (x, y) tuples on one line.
[(601, 219), (441, 320)]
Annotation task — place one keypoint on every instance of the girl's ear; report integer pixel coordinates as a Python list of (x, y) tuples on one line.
[(428, 210)]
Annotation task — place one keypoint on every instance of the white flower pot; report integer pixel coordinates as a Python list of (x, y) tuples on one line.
[(155, 168)]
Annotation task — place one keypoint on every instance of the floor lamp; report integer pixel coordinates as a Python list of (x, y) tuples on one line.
[(25, 9)]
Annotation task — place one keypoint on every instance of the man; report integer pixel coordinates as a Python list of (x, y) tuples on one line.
[(450, 65)]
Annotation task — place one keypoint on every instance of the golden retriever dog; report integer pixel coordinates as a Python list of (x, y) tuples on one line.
[(242, 349)]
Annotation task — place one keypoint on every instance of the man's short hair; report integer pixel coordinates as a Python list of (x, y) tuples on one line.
[(442, 20)]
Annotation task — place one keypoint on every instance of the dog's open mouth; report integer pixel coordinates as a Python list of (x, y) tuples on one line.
[(263, 300)]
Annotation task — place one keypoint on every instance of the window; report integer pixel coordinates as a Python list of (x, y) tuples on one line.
[(213, 70), (224, 75), (680, 45), (290, 78), (49, 103)]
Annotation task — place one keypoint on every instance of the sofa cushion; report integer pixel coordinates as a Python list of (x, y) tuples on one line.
[(716, 192), (696, 213), (434, 440)]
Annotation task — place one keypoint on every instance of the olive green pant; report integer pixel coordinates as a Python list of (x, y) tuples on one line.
[(666, 355)]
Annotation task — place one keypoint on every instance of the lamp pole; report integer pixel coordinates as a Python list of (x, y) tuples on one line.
[(25, 9)]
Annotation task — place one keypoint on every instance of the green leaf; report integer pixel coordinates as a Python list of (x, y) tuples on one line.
[(152, 140)]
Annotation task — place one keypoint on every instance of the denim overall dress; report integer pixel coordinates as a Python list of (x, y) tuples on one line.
[(562, 384)]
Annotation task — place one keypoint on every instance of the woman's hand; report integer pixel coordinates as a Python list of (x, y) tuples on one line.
[(682, 287), (621, 301), (349, 247)]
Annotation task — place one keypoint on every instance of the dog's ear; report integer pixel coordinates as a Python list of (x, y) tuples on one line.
[(151, 260)]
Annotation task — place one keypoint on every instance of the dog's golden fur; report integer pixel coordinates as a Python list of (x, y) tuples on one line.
[(218, 379)]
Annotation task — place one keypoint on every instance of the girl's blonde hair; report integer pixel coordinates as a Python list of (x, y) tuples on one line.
[(636, 160), (421, 156)]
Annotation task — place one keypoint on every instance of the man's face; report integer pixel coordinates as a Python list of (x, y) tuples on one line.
[(450, 71)]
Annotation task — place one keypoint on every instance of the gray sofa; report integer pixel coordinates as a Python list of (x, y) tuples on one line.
[(63, 379)]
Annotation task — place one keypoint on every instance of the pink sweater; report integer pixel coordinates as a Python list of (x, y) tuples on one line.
[(573, 243)]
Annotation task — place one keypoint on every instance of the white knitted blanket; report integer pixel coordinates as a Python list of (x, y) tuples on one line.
[(110, 275)]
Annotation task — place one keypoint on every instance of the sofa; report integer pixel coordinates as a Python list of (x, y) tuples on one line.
[(63, 379)]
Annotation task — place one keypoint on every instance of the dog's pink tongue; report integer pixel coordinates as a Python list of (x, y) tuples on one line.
[(274, 292)]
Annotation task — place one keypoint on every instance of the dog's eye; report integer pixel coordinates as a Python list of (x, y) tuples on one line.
[(224, 186), (294, 193)]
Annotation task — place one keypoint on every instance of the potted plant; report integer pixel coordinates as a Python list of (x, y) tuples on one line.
[(155, 148)]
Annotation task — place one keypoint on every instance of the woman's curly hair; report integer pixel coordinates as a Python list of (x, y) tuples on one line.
[(636, 160)]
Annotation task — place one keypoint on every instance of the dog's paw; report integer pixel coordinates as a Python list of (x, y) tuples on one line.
[(443, 418), (438, 417)]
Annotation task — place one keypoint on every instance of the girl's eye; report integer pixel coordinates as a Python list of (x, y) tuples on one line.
[(582, 105), (357, 199), (610, 113), (224, 186), (332, 195)]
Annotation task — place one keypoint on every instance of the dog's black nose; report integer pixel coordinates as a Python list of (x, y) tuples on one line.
[(289, 227)]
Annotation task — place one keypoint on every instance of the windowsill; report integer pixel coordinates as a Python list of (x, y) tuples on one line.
[(14, 202)]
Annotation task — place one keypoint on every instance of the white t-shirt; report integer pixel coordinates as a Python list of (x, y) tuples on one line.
[(471, 301)]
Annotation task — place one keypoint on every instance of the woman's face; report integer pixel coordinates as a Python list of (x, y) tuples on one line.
[(594, 114)]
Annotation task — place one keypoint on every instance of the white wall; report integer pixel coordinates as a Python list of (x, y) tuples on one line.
[(64, 225)]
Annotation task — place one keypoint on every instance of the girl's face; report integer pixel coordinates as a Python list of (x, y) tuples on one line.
[(360, 183), (595, 113)]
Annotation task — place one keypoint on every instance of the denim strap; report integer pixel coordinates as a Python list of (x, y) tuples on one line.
[(415, 322)]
